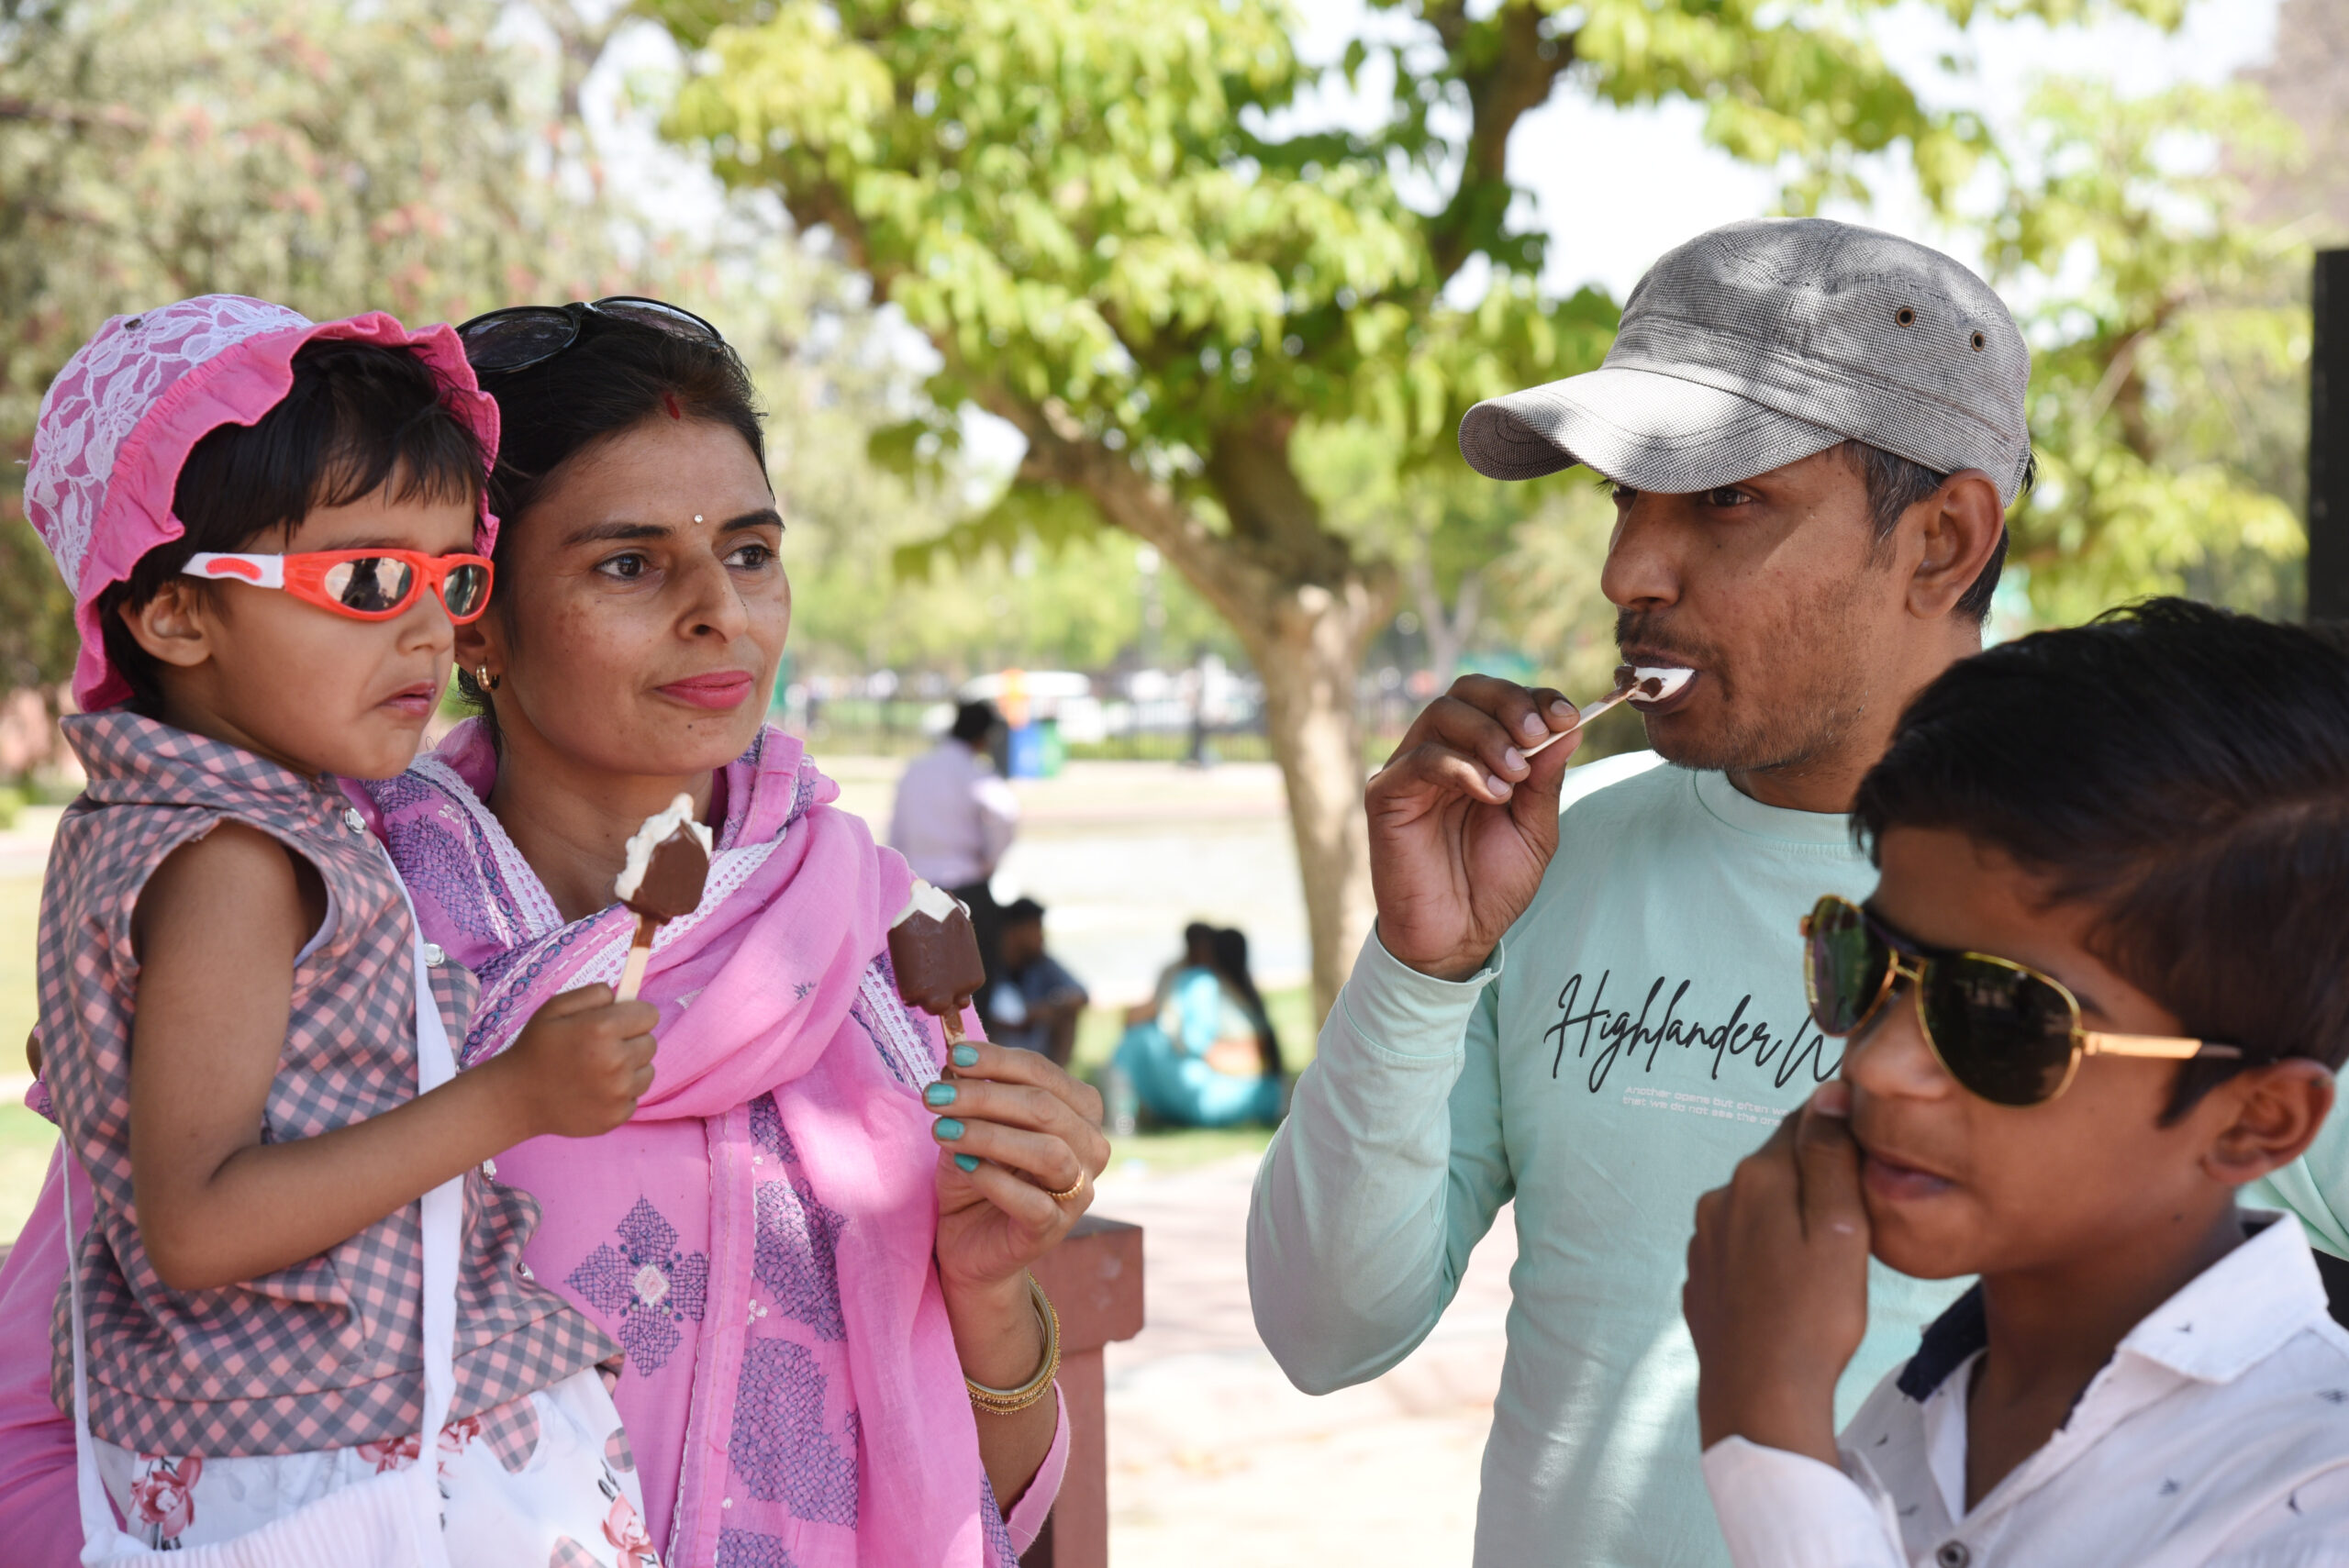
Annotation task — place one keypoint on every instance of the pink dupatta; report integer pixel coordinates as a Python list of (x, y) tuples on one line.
[(788, 1085)]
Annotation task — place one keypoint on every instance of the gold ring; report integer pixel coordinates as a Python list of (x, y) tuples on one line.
[(1070, 1191)]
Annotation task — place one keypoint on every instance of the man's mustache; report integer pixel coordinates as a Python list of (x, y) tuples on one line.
[(1649, 632)]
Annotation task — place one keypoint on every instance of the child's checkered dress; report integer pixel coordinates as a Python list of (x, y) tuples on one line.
[(326, 1354)]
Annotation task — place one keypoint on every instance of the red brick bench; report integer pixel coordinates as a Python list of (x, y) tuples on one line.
[(1095, 1281)]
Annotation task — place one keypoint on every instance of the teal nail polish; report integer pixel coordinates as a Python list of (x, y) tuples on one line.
[(969, 1163), (939, 1095), (966, 1056), (949, 1129)]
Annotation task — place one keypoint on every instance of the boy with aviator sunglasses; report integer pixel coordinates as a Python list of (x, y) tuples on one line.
[(2103, 985)]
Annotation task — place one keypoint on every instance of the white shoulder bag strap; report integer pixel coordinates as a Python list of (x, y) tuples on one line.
[(392, 1521)]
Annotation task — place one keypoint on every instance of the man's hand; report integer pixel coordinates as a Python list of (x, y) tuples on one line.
[(1777, 1292), (1462, 824)]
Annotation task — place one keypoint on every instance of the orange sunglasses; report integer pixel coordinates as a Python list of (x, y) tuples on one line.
[(365, 585)]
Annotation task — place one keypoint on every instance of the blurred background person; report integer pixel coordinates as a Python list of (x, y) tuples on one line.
[(955, 818), (1034, 1003), (1204, 1053)]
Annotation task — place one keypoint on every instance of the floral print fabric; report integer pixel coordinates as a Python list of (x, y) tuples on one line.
[(548, 1478)]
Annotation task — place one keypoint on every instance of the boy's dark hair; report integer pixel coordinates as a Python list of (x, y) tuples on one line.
[(357, 417), (1021, 910), (2186, 771), (1896, 483), (613, 376)]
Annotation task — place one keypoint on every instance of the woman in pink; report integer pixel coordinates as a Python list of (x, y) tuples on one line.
[(817, 1277)]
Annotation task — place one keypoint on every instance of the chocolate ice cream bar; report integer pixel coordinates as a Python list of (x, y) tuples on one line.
[(936, 955), (668, 867)]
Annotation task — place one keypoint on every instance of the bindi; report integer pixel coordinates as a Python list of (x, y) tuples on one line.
[(669, 398)]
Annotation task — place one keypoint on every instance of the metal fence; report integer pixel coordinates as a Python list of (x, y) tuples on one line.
[(1167, 729)]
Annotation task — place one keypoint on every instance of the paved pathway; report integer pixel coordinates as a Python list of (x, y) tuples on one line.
[(1215, 1458)]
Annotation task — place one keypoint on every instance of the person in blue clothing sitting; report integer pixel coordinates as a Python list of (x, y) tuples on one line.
[(1202, 1052), (1034, 1003)]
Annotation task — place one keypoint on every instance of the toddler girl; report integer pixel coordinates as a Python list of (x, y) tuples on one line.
[(270, 527)]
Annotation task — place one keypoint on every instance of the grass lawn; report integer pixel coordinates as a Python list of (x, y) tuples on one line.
[(25, 1139), (26, 1144), (19, 925)]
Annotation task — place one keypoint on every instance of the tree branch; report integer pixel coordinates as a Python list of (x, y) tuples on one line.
[(1061, 451), (579, 46), (1514, 76), (76, 116)]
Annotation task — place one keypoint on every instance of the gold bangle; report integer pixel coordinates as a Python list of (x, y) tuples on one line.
[(1007, 1401)]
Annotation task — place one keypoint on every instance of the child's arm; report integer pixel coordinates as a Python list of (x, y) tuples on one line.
[(218, 927), (1776, 1302)]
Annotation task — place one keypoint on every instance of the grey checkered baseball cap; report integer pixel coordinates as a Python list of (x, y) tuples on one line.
[(1762, 342)]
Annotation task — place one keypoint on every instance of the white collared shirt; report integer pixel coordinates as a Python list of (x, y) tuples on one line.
[(2217, 1435), (954, 818)]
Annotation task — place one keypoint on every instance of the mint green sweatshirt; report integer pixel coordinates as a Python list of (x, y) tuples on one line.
[(1639, 1031)]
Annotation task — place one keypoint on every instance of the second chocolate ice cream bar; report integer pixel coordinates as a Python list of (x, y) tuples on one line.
[(936, 955)]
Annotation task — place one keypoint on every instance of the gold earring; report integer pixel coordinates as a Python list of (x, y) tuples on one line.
[(483, 678)]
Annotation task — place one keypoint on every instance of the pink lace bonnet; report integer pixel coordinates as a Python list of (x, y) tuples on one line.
[(120, 417)]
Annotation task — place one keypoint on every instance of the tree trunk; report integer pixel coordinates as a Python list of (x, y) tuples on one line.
[(1307, 648), (1304, 608), (1447, 634)]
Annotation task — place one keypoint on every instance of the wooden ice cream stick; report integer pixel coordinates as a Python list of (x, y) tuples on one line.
[(1653, 685), (640, 953)]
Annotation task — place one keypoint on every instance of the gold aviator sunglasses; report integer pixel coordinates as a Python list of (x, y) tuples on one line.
[(2003, 1030)]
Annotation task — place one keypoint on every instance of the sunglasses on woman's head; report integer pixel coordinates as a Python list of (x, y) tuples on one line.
[(2002, 1029), (365, 585), (523, 335)]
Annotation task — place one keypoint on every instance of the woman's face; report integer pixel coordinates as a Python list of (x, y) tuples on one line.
[(641, 605)]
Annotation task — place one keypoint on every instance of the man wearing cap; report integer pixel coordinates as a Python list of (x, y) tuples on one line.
[(1583, 994)]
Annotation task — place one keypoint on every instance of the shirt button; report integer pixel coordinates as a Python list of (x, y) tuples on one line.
[(434, 957), (353, 820), (1953, 1554)]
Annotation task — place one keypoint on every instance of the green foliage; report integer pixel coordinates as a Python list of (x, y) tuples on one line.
[(2168, 379), (1066, 198), (1084, 201), (1077, 606), (333, 156)]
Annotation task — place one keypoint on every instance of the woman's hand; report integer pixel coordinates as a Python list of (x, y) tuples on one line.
[(1777, 1292), (1013, 1128)]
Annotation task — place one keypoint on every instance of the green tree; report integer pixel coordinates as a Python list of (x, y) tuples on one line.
[(335, 157), (2169, 377), (1100, 213)]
